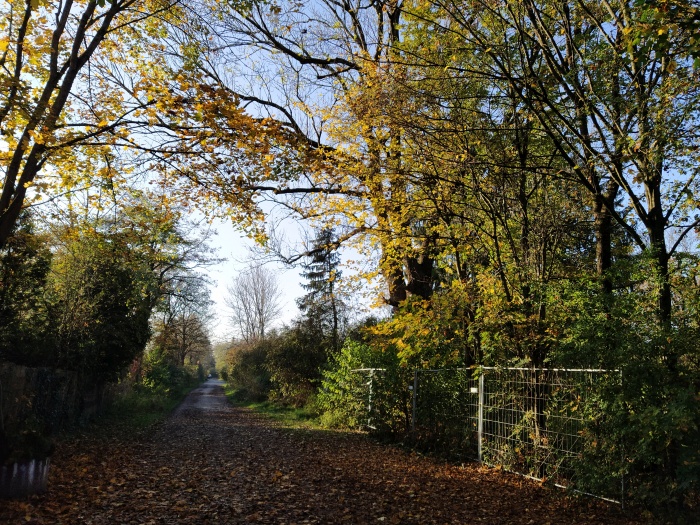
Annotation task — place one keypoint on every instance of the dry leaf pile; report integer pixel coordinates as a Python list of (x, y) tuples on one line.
[(212, 463)]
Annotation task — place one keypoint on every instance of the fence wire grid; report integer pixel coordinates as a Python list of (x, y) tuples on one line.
[(546, 424)]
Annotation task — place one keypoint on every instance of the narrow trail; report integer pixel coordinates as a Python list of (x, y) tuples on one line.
[(213, 463)]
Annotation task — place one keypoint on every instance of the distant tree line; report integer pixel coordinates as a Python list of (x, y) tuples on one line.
[(286, 364)]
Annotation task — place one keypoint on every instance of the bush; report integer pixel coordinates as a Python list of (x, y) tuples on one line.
[(295, 359), (365, 387), (647, 428), (161, 377), (247, 373)]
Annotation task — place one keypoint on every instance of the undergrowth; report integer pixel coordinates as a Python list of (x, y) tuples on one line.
[(302, 417), (141, 409)]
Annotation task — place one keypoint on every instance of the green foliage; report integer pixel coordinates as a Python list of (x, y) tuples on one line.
[(645, 426), (247, 371), (24, 266), (296, 356), (100, 300), (139, 408), (344, 394), (661, 22), (430, 333), (366, 387), (80, 296), (295, 359), (85, 306), (323, 308), (23, 440), (160, 375), (292, 417), (445, 414), (285, 367)]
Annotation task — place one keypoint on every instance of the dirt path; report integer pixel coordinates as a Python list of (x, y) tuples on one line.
[(212, 463)]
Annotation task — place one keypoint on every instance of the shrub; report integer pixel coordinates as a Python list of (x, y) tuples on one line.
[(247, 373), (366, 387)]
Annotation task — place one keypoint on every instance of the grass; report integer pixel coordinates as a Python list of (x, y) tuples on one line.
[(129, 414), (139, 410), (303, 417)]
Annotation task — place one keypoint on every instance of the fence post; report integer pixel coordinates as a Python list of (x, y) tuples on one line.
[(415, 396), (622, 449), (480, 425), (369, 398)]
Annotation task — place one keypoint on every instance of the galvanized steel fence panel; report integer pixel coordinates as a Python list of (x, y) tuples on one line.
[(546, 424), (534, 422)]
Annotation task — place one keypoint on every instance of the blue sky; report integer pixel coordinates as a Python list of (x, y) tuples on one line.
[(234, 247)]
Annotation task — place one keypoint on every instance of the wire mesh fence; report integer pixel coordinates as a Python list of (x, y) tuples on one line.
[(540, 423), (445, 412), (385, 399), (548, 424)]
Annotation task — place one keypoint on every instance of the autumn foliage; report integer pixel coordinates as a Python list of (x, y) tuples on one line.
[(517, 179)]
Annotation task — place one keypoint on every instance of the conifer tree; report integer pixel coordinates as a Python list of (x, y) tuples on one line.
[(321, 304)]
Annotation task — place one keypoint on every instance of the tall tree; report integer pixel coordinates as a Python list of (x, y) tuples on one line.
[(99, 303), (25, 262), (340, 155), (182, 317), (254, 301), (322, 304), (48, 103), (87, 84), (623, 115), (184, 339)]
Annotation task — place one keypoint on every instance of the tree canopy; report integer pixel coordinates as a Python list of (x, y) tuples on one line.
[(520, 177)]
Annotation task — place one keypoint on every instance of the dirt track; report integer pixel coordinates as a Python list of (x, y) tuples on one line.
[(213, 463)]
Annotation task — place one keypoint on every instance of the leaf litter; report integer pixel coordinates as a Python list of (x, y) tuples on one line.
[(214, 463)]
